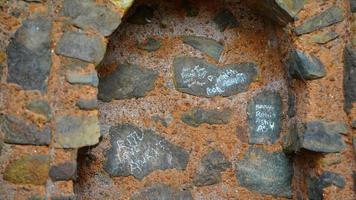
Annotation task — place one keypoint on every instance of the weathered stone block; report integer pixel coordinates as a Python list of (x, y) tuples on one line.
[(161, 192), (63, 172), (199, 116), (19, 131), (266, 173), (149, 45), (87, 104), (224, 19), (139, 152), (40, 107), (29, 55), (83, 79), (28, 170), (89, 48), (205, 45), (76, 131), (349, 77), (325, 37), (200, 78), (127, 81), (264, 117)]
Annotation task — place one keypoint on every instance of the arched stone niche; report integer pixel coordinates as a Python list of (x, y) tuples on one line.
[(251, 121)]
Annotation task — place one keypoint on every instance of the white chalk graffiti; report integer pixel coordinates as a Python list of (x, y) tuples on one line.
[(194, 76), (225, 80), (264, 118), (131, 151)]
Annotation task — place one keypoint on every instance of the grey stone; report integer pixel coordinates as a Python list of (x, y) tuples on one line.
[(354, 144), (40, 107), (291, 104), (143, 15), (210, 169), (264, 117), (139, 152), (304, 66), (165, 121), (87, 104), (205, 45), (127, 81), (161, 192), (327, 18), (63, 198), (19, 131), (325, 37), (349, 77), (198, 116), (89, 14), (315, 185), (200, 78), (266, 173), (224, 19), (149, 45), (83, 79), (89, 48), (63, 172), (280, 11), (76, 131), (29, 55), (353, 5), (353, 124), (317, 136)]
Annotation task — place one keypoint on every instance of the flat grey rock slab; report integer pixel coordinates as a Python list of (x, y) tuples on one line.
[(317, 136), (136, 152), (209, 171), (63, 172), (315, 185), (76, 131), (264, 117), (327, 18), (161, 192), (40, 107), (29, 55), (324, 37), (349, 77), (83, 79), (126, 82), (224, 19), (89, 48), (87, 104), (20, 131), (198, 116), (353, 5), (89, 14), (200, 78), (265, 173), (206, 45), (149, 45), (305, 66)]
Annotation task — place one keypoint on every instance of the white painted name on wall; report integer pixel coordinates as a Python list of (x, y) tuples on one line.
[(264, 118), (130, 151)]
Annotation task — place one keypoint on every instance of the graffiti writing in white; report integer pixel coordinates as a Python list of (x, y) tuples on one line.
[(265, 115), (194, 76), (225, 80)]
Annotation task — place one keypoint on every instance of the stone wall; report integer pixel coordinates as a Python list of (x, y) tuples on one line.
[(294, 142)]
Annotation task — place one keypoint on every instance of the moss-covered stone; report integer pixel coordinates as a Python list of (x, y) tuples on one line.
[(28, 170)]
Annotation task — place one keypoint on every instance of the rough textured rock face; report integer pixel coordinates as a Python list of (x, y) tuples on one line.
[(198, 116), (161, 192), (200, 78), (127, 81), (264, 116), (139, 152), (206, 45), (350, 77), (29, 55), (269, 173)]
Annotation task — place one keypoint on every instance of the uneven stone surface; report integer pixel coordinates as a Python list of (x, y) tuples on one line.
[(316, 185), (324, 37), (19, 131), (353, 5), (161, 192), (264, 117), (280, 11), (29, 56), (210, 168), (304, 66), (87, 104), (127, 81), (200, 78), (205, 45), (63, 172), (149, 45), (89, 14), (89, 48), (317, 136), (328, 17), (83, 79), (143, 15), (28, 170), (224, 19), (76, 131), (266, 173), (40, 107), (349, 77), (139, 152), (199, 116)]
